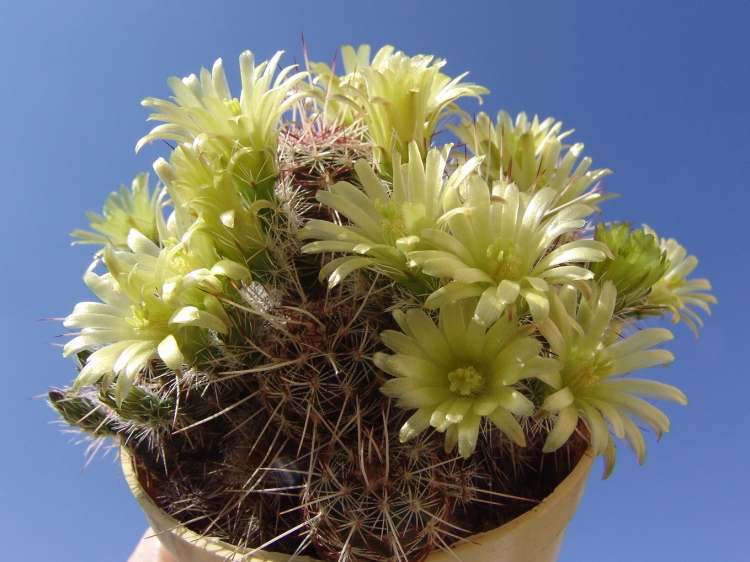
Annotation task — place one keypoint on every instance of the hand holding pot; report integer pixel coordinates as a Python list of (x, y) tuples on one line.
[(149, 549)]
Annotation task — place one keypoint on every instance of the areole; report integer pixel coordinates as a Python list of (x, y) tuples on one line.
[(535, 536)]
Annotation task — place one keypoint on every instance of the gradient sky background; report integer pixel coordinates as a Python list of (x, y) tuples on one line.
[(658, 91)]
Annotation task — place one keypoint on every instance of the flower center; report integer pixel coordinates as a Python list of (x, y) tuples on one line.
[(139, 319), (466, 381), (392, 223), (583, 375), (503, 263), (234, 106)]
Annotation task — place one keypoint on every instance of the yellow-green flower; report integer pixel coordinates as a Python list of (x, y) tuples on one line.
[(594, 355), (153, 301), (531, 155), (674, 292), (458, 372), (131, 208), (401, 99), (205, 200), (125, 331), (336, 108), (384, 224), (243, 132), (503, 245)]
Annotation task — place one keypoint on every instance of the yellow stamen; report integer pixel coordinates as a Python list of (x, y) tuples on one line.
[(466, 381)]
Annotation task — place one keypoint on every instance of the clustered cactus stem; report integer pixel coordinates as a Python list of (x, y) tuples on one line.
[(319, 333)]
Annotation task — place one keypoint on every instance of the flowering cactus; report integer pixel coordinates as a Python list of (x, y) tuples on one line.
[(321, 333)]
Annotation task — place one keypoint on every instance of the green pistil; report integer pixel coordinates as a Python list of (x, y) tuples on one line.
[(139, 320), (503, 264), (466, 381), (234, 106), (585, 375), (392, 223)]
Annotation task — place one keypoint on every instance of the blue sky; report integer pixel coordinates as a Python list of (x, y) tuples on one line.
[(658, 91)]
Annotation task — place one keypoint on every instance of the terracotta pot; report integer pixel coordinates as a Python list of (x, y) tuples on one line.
[(535, 536)]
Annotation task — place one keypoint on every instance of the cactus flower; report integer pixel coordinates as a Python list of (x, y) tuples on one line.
[(594, 357), (499, 247), (458, 372), (676, 293)]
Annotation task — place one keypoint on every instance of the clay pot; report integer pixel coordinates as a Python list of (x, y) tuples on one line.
[(535, 536)]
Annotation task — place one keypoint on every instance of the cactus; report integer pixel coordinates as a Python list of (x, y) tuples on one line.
[(345, 342)]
